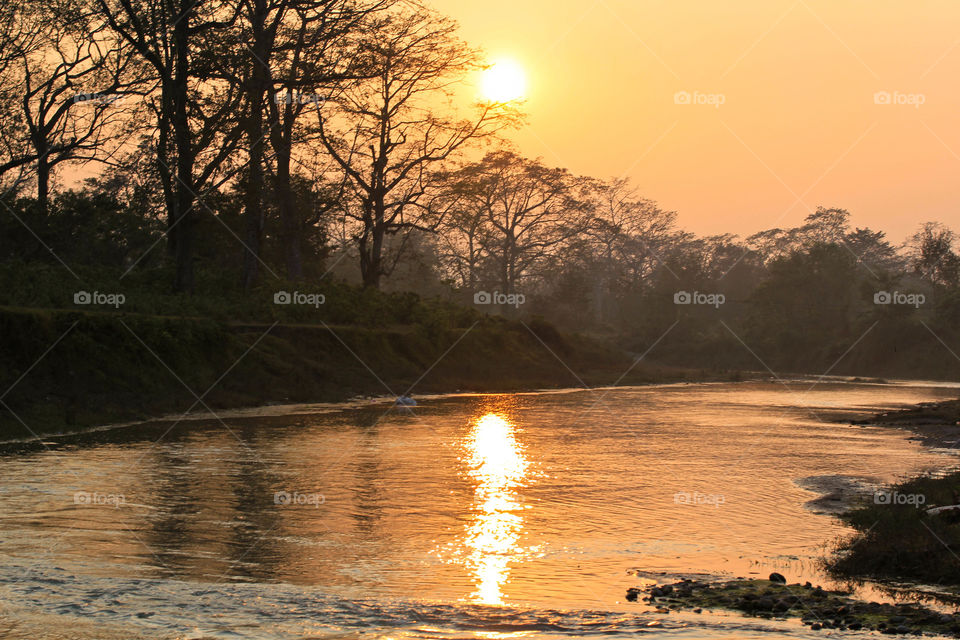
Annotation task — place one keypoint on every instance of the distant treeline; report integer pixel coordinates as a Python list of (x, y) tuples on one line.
[(250, 149)]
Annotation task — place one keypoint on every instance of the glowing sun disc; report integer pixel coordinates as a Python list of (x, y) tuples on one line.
[(503, 81)]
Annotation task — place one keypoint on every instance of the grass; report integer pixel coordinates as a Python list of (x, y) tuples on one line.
[(896, 539), (218, 297), (65, 370), (65, 366), (816, 607)]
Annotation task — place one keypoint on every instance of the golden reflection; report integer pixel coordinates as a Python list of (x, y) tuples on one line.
[(499, 467)]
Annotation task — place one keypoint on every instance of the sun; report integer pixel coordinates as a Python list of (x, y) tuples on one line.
[(504, 81)]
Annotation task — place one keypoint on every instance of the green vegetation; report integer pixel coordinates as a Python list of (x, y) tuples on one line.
[(796, 300), (897, 539), (816, 607), (44, 286), (106, 367)]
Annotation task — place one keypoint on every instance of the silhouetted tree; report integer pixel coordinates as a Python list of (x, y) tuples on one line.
[(316, 48), (528, 210), (181, 42), (386, 135), (932, 255), (71, 75)]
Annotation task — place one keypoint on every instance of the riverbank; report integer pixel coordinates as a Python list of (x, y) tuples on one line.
[(65, 370), (937, 424), (902, 538), (814, 606), (902, 534)]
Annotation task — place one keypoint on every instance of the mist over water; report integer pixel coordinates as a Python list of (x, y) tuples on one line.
[(525, 514)]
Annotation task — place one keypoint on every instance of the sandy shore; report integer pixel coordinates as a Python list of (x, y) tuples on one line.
[(936, 424)]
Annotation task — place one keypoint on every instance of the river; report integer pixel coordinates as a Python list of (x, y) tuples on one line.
[(469, 516)]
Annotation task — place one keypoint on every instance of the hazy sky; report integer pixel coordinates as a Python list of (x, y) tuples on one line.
[(798, 127)]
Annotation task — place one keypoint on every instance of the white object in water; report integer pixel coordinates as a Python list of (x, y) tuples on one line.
[(936, 510), (406, 401)]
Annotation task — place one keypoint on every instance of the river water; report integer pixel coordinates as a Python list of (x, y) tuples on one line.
[(469, 516)]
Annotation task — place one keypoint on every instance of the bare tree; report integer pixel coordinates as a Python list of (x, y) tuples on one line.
[(70, 77), (463, 236), (18, 32), (528, 210), (385, 134), (631, 231), (627, 241), (297, 48), (184, 44), (932, 255)]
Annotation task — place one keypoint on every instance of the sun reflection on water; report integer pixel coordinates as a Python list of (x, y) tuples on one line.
[(496, 462)]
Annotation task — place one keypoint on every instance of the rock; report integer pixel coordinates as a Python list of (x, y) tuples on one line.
[(632, 594), (855, 626), (777, 577), (816, 626)]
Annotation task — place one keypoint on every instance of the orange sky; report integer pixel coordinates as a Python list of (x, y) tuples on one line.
[(798, 127)]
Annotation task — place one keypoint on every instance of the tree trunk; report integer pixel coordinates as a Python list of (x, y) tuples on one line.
[(185, 214), (599, 296), (162, 163), (505, 268), (371, 249), (288, 216), (371, 243), (253, 200), (280, 125), (43, 182), (369, 267), (254, 197)]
